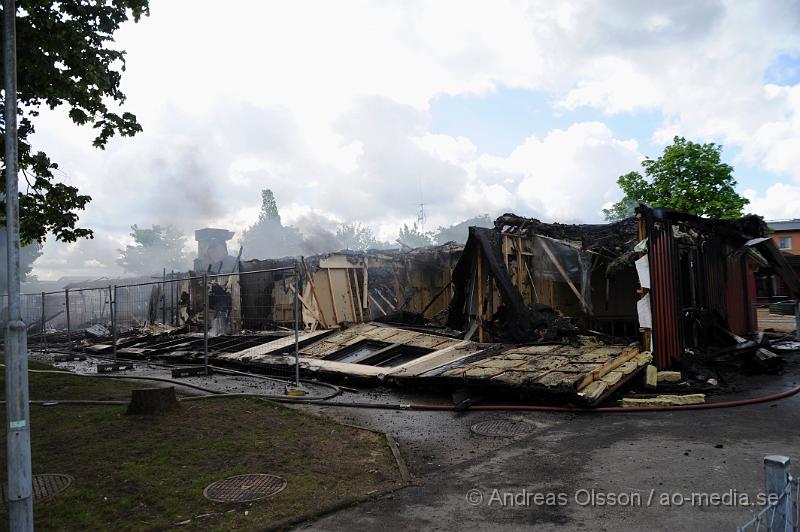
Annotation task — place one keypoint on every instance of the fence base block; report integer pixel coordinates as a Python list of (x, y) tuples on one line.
[(189, 372), (116, 366), (68, 358)]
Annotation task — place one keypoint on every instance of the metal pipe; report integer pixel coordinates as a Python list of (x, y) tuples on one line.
[(114, 318), (210, 275), (205, 322), (18, 435)]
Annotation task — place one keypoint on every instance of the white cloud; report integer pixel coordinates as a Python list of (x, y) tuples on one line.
[(326, 103), (779, 202), (568, 174)]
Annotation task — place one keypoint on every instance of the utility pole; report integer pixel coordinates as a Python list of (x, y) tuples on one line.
[(18, 434)]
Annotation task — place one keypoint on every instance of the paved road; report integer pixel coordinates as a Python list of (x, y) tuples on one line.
[(711, 451)]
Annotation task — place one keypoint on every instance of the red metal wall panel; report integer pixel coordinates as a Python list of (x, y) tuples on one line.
[(738, 302), (667, 333), (752, 296)]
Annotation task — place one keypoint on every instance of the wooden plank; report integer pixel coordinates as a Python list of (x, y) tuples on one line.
[(305, 304), (338, 262), (391, 305), (314, 294), (505, 251), (378, 305), (350, 293), (560, 269), (358, 294), (333, 300), (275, 345), (435, 360), (629, 353), (365, 299)]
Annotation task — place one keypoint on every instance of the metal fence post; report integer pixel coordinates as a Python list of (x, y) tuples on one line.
[(296, 325), (66, 305), (164, 297), (205, 321), (44, 339), (776, 473), (114, 317), (797, 322), (172, 300), (178, 301)]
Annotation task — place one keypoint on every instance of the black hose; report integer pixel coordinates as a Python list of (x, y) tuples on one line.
[(226, 370), (444, 407), (209, 391)]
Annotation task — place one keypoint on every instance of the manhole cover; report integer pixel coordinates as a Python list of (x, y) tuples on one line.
[(244, 488), (501, 428), (44, 486)]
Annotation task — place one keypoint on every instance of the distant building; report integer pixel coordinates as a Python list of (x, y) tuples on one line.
[(786, 235)]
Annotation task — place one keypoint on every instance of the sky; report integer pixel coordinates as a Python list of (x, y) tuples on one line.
[(362, 110)]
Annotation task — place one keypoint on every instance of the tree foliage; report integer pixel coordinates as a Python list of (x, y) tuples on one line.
[(27, 256), (269, 208), (460, 231), (154, 249), (268, 237), (357, 237), (64, 58), (625, 208), (413, 237), (688, 177)]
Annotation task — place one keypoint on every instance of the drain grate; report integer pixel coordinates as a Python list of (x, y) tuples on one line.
[(501, 428), (244, 488), (44, 486)]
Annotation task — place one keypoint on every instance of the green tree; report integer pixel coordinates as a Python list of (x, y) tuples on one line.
[(688, 177), (154, 249), (413, 237), (460, 231), (269, 208), (268, 237), (356, 237), (64, 59), (27, 256), (625, 208)]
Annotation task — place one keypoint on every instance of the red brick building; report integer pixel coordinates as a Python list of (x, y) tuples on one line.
[(786, 236)]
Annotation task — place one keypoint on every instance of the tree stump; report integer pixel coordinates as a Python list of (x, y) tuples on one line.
[(152, 401)]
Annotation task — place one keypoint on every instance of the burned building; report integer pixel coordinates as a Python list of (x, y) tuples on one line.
[(536, 310), (335, 288), (670, 280)]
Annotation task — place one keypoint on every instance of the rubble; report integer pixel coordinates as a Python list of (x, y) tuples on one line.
[(664, 400), (556, 312)]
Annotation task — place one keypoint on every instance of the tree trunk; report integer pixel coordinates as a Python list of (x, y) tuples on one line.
[(152, 401)]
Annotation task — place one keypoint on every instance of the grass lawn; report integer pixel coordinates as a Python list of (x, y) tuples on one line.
[(134, 473)]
